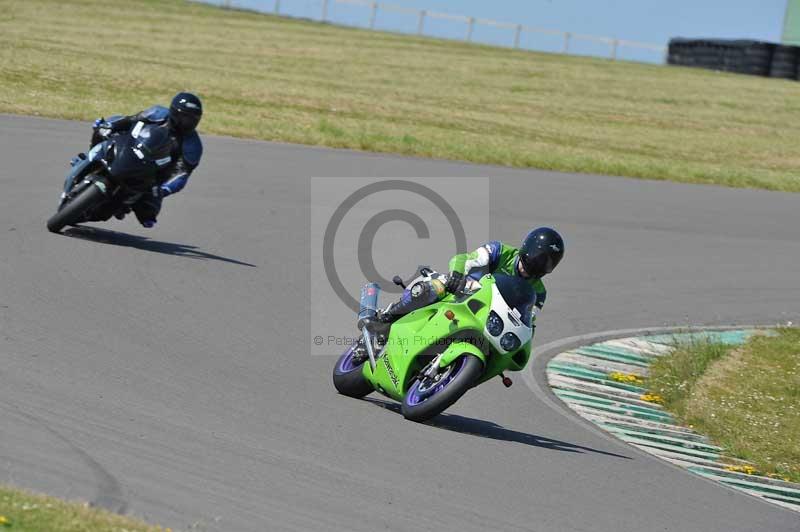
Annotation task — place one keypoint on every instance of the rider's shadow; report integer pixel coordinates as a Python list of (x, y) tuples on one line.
[(487, 429), (114, 238)]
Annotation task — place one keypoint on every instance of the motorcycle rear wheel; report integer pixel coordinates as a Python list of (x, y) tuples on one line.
[(74, 211), (348, 378), (424, 399)]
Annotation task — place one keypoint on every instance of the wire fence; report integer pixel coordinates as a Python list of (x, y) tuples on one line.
[(514, 35)]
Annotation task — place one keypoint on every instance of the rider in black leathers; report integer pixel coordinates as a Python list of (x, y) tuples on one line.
[(181, 118)]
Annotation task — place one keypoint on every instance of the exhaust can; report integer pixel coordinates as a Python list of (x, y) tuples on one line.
[(368, 308)]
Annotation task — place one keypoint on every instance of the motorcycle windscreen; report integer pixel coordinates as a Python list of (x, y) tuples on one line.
[(518, 293), (154, 143), (138, 158)]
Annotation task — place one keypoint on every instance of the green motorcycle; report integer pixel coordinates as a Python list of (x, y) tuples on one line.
[(430, 357)]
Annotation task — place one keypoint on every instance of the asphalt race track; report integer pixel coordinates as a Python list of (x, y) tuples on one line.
[(166, 374)]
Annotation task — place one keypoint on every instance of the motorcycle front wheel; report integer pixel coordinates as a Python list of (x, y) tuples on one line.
[(430, 396), (75, 211)]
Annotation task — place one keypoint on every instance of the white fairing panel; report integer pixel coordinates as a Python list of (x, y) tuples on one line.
[(512, 322), (137, 129)]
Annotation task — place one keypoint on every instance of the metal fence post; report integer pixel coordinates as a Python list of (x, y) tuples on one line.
[(615, 43), (373, 14)]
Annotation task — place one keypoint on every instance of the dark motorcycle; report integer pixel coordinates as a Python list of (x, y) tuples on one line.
[(113, 176)]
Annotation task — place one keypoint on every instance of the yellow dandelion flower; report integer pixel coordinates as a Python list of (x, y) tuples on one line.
[(652, 398), (746, 469), (626, 378), (4, 521)]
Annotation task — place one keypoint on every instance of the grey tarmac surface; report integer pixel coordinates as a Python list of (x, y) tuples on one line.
[(165, 373)]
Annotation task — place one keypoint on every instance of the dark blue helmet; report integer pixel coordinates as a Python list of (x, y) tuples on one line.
[(185, 112), (541, 251)]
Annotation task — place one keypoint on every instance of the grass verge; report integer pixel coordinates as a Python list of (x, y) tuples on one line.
[(278, 79), (21, 511), (745, 399)]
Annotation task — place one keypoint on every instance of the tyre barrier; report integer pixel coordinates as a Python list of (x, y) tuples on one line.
[(603, 384), (757, 58), (784, 62)]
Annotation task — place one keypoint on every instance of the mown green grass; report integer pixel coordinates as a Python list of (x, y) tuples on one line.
[(21, 511), (277, 79), (674, 377), (746, 400)]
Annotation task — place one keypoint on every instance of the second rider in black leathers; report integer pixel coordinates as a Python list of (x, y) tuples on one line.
[(181, 118)]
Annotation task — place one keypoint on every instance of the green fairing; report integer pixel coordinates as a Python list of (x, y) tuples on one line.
[(416, 338), (456, 349)]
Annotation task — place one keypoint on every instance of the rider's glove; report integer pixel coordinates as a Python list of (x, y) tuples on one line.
[(101, 123), (455, 282), (160, 191), (102, 127)]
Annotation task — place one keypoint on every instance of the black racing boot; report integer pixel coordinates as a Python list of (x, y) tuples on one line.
[(417, 296)]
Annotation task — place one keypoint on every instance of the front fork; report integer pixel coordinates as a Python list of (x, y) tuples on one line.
[(433, 368), (80, 166)]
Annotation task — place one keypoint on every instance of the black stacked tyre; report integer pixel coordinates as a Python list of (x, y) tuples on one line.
[(784, 62), (755, 58)]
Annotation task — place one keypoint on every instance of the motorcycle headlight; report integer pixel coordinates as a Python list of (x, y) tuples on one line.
[(494, 324), (510, 341)]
